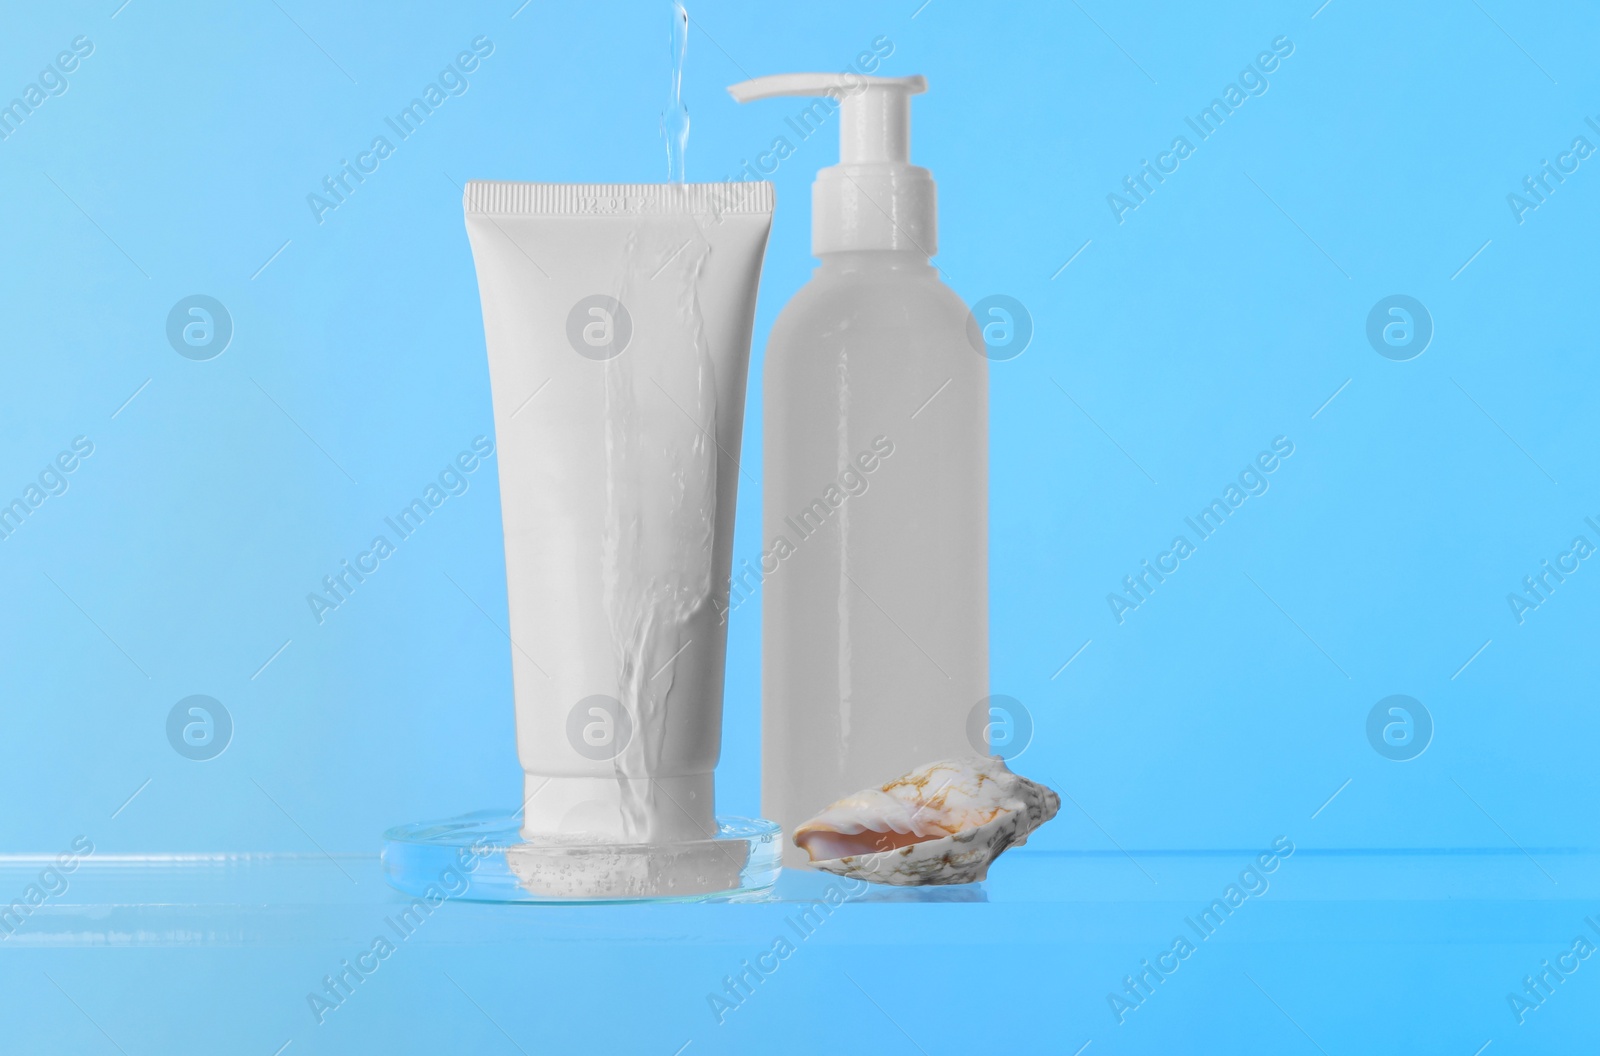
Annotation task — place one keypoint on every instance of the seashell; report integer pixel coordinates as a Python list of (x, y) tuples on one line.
[(942, 823)]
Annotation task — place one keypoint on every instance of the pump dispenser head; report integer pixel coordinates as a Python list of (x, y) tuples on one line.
[(874, 198)]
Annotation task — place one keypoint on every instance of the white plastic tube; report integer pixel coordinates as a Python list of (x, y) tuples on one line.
[(618, 321)]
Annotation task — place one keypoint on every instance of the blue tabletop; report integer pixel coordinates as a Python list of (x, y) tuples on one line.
[(1147, 951)]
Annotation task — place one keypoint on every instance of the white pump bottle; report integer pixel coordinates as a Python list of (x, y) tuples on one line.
[(874, 577)]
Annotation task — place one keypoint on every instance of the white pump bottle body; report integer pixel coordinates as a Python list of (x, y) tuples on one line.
[(875, 616)]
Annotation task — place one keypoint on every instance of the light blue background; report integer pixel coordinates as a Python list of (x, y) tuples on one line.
[(1222, 313)]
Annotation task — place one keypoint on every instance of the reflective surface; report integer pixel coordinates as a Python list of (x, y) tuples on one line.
[(1346, 951)]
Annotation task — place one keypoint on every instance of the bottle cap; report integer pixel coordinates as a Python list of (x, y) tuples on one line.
[(874, 198)]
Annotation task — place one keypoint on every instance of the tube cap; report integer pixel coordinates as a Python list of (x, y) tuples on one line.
[(874, 198)]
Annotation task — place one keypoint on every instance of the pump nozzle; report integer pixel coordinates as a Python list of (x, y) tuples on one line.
[(874, 198)]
